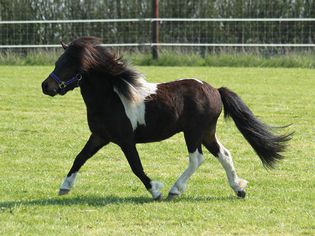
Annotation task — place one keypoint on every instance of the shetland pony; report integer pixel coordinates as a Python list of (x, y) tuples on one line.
[(125, 109)]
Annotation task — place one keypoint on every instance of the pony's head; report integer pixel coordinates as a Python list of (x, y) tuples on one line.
[(85, 61), (81, 57)]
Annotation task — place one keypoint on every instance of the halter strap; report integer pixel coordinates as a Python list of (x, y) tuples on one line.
[(63, 84)]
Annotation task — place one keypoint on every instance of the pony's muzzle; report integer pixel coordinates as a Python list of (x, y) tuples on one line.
[(49, 88)]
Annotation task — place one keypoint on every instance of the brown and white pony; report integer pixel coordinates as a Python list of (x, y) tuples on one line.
[(123, 108)]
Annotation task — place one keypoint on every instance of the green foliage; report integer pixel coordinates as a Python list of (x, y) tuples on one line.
[(301, 60), (166, 59), (38, 57), (41, 58), (11, 59), (40, 136), (306, 60)]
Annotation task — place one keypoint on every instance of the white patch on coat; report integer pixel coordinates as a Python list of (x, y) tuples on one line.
[(69, 181), (225, 158), (195, 160), (155, 189), (135, 109), (199, 81)]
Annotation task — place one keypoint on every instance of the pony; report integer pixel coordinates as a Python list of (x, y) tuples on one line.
[(124, 109)]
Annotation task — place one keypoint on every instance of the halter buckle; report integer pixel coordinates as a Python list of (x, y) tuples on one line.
[(62, 85), (79, 78)]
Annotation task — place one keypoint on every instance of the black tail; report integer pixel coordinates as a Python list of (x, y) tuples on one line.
[(267, 145)]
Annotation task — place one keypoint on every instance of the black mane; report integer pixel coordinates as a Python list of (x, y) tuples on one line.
[(94, 58)]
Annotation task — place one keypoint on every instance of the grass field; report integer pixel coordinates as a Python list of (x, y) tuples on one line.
[(40, 136)]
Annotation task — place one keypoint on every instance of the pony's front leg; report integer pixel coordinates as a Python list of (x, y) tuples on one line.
[(134, 161), (94, 144)]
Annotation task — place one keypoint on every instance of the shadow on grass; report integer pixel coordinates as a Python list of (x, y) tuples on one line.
[(104, 201), (79, 200)]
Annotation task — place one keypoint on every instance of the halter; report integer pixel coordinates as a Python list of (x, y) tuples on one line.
[(63, 84)]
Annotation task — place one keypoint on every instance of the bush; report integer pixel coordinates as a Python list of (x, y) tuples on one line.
[(232, 59)]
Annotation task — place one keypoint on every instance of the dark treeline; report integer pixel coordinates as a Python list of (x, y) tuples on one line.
[(170, 32)]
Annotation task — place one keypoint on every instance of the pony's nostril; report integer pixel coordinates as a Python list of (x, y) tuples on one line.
[(47, 89)]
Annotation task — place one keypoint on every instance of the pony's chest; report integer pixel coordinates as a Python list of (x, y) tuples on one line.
[(97, 124), (110, 124), (135, 112)]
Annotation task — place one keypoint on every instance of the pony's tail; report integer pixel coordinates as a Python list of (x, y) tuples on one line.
[(267, 145)]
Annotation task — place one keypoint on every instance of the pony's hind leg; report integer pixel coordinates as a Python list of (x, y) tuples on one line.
[(225, 158), (195, 160)]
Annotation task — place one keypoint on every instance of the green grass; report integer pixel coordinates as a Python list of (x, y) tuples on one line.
[(40, 136)]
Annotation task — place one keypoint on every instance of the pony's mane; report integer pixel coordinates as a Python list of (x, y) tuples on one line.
[(96, 58)]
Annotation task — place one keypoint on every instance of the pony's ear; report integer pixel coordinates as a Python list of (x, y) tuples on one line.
[(65, 46)]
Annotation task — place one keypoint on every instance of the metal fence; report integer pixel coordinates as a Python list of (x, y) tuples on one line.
[(153, 29)]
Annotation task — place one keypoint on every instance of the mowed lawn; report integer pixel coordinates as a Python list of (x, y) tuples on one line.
[(40, 137)]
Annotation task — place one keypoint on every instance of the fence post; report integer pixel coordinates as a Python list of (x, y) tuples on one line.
[(155, 29)]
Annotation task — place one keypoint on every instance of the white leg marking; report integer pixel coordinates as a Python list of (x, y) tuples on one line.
[(69, 182), (225, 158), (195, 160), (135, 109), (155, 189)]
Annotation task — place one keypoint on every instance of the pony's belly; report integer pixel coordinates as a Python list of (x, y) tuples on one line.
[(145, 135)]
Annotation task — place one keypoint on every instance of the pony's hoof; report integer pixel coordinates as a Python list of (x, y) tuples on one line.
[(158, 198), (241, 194), (172, 196), (63, 192)]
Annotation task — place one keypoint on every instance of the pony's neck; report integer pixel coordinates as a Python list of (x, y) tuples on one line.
[(96, 89)]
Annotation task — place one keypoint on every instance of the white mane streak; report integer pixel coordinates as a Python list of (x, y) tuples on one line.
[(135, 108)]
